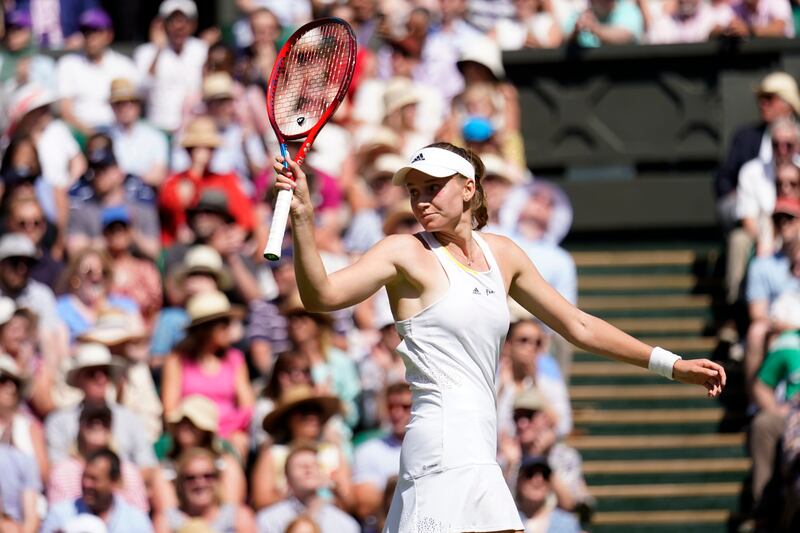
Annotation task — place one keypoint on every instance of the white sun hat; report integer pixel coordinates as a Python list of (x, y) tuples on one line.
[(436, 162)]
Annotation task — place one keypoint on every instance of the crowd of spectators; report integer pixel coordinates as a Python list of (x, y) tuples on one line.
[(157, 374)]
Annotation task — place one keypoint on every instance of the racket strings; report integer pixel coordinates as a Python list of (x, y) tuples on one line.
[(310, 78)]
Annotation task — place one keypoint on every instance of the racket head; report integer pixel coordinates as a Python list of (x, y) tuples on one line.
[(310, 77)]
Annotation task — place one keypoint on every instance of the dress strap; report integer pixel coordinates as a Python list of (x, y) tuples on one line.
[(487, 253)]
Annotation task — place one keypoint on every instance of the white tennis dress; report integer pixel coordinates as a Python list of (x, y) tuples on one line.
[(450, 481)]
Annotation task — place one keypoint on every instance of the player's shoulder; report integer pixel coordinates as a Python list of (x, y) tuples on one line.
[(501, 245)]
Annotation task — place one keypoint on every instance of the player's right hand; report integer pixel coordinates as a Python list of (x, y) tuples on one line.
[(294, 179)]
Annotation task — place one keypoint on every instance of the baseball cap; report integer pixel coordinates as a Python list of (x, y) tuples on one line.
[(787, 206), (114, 214), (95, 19), (437, 163), (19, 18), (101, 158), (187, 7), (535, 463), (17, 245)]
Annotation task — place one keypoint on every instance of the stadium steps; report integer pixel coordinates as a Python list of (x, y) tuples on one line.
[(654, 456)]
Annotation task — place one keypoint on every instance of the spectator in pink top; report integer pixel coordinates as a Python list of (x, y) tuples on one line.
[(205, 363), (692, 21), (759, 18)]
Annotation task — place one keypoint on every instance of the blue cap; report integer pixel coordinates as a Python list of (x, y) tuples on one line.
[(101, 158), (477, 129), (533, 463), (117, 213), (95, 19), (19, 18)]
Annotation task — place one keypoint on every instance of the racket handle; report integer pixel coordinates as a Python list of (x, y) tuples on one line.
[(279, 219)]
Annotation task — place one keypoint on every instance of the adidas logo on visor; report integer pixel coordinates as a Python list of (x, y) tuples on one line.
[(420, 157)]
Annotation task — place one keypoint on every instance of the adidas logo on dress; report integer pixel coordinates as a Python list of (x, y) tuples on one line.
[(476, 291), (419, 157)]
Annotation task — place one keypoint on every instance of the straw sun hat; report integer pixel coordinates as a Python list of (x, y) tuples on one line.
[(199, 410), (276, 422), (201, 132), (207, 307), (202, 259), (94, 355)]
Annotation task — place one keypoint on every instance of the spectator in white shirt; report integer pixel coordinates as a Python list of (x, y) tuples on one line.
[(172, 65), (140, 149), (84, 79), (533, 26)]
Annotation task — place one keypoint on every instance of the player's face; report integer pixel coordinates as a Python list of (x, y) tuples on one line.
[(438, 203)]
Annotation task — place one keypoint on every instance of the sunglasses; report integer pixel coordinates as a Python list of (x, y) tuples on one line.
[(308, 410), (18, 262), (789, 184), (784, 145), (531, 472), (524, 414), (94, 373), (524, 339), (782, 218), (204, 476)]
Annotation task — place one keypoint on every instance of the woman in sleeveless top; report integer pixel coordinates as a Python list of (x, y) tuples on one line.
[(448, 289)]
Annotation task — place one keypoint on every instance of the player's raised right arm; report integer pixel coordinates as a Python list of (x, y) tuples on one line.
[(349, 286)]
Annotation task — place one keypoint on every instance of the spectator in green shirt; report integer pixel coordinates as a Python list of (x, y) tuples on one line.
[(606, 22), (782, 365)]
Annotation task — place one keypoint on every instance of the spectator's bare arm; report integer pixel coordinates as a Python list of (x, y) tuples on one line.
[(764, 397), (775, 28), (30, 514), (171, 383)]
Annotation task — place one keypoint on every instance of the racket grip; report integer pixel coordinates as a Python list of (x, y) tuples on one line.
[(279, 219)]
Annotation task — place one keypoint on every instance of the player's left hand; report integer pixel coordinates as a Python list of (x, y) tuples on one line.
[(701, 372)]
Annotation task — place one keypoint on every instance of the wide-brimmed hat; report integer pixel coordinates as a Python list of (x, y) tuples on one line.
[(10, 368), (399, 93), (199, 410), (398, 213), (529, 399), (94, 355), (212, 200), (486, 52), (7, 309), (123, 90), (17, 245), (26, 99), (114, 328), (208, 306), (218, 85), (201, 132), (782, 85), (275, 423), (202, 259), (168, 7)]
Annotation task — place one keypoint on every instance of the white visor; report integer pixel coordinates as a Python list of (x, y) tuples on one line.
[(436, 162)]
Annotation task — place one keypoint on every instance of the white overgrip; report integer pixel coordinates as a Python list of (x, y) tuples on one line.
[(278, 227)]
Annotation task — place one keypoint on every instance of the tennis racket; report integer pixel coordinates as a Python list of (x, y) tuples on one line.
[(309, 80)]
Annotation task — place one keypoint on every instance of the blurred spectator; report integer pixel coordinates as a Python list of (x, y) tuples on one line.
[(199, 488), (787, 181), (94, 434), (534, 499), (777, 97), (183, 190), (86, 292), (20, 60), (19, 339), (84, 79), (171, 64), (758, 18), (290, 368), (606, 22), (443, 47), (290, 14), (487, 14), (259, 47), (140, 149), (206, 363), (25, 216), (17, 428), (365, 228), (532, 367), (105, 186), (331, 368), (690, 21), (301, 416), (498, 182), (92, 371), (17, 257), (781, 363), (195, 425), (59, 155), (378, 459), (304, 479), (303, 524), (202, 271), (125, 336), (56, 24), (134, 277), (99, 480), (20, 486), (241, 151), (534, 25), (767, 278)]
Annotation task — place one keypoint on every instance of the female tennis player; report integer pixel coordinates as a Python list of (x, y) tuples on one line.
[(448, 287)]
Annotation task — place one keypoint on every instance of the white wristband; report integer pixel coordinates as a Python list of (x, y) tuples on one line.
[(662, 361)]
